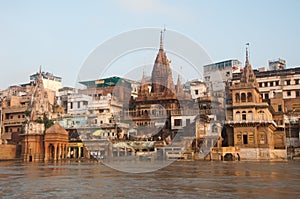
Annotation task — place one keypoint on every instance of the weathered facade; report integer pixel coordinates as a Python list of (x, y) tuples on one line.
[(249, 121), (38, 144), (157, 100)]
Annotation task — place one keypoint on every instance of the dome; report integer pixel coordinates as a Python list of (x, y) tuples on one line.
[(57, 129)]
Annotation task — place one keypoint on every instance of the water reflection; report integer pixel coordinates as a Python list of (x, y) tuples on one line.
[(68, 179)]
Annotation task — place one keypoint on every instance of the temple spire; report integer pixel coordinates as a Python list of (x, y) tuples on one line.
[(247, 54), (161, 47)]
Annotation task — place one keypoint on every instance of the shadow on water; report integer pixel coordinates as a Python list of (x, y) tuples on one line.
[(204, 179)]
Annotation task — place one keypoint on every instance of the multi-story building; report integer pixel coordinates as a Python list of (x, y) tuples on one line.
[(249, 121), (196, 87), (281, 89), (216, 74), (14, 105)]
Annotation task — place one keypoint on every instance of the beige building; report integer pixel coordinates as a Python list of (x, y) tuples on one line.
[(249, 122)]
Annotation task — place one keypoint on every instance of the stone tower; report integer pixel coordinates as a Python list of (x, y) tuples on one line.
[(249, 122), (162, 81), (33, 144)]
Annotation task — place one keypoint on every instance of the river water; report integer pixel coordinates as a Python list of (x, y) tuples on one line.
[(195, 179)]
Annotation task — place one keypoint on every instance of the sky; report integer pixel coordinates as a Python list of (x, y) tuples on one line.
[(60, 35)]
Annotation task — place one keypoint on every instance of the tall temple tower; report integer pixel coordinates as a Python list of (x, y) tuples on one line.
[(153, 107), (162, 81), (33, 145), (249, 122)]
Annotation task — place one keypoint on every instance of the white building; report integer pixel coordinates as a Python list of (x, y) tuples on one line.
[(51, 82), (197, 88), (78, 104)]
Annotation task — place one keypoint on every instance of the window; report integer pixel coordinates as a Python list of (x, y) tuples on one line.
[(243, 97), (261, 115), (238, 116), (297, 93), (177, 122), (288, 93), (266, 95), (250, 115), (271, 84), (196, 92), (288, 82), (249, 97), (279, 108), (244, 117), (277, 83), (11, 117), (237, 97), (296, 81), (78, 104), (260, 84), (245, 139), (188, 122), (71, 105)]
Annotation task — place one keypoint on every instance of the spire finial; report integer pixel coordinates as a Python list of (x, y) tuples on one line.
[(161, 40), (247, 53), (40, 69)]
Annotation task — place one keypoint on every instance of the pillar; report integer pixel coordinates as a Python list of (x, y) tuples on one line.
[(46, 151), (79, 152), (55, 152), (69, 152), (59, 151)]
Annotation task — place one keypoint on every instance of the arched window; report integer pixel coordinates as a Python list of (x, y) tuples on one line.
[(238, 116), (243, 97), (261, 115), (250, 115), (237, 97), (249, 97), (244, 117)]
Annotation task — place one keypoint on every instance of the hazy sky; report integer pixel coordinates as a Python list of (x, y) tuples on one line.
[(60, 35)]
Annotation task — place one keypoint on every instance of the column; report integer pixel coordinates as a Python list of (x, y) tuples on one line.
[(59, 151), (55, 152), (46, 151), (69, 152), (79, 152)]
